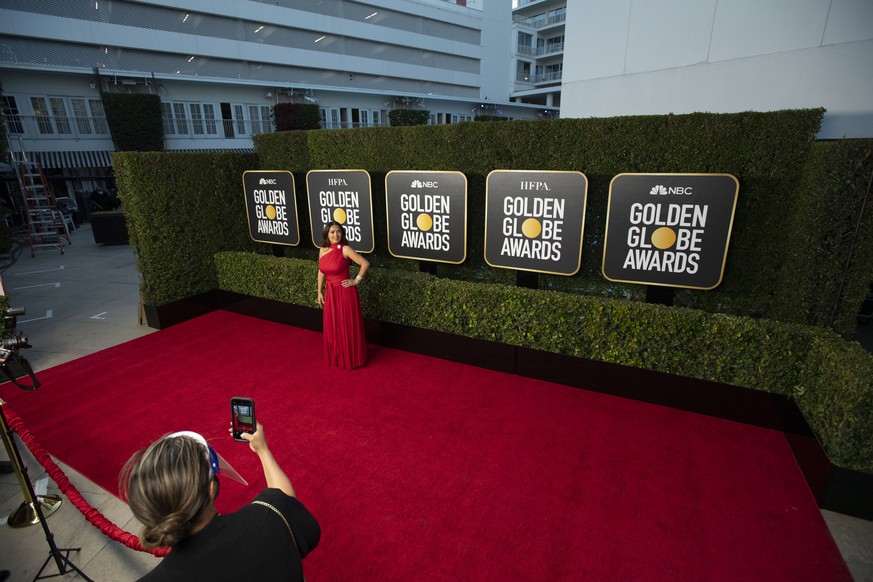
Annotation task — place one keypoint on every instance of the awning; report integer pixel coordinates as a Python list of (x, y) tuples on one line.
[(216, 151), (89, 159), (101, 158)]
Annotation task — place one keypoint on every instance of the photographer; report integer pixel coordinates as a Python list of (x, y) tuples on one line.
[(171, 488)]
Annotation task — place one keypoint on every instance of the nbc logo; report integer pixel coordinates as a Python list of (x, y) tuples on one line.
[(267, 181), (658, 191), (416, 184)]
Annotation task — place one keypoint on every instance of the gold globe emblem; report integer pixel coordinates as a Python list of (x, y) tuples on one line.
[(531, 228), (271, 211), (424, 222), (339, 215), (663, 238)]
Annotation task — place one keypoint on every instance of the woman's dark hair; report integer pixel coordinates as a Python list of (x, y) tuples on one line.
[(325, 242), (166, 487)]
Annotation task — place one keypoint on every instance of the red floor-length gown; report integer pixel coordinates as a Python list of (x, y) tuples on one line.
[(345, 345)]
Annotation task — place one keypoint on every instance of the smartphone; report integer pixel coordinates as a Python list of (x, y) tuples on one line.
[(242, 417)]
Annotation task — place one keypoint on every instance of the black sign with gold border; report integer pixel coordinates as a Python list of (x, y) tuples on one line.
[(344, 196), (270, 206), (427, 215), (535, 219), (669, 229)]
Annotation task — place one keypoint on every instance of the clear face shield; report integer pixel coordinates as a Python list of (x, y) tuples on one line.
[(217, 464)]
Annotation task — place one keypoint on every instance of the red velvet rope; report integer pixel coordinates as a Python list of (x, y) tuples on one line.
[(57, 475)]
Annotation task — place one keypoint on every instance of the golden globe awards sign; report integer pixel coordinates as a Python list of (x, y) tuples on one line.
[(270, 206), (669, 229), (427, 215), (343, 196), (534, 220)]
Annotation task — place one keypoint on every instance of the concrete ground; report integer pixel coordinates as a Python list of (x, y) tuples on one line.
[(87, 300)]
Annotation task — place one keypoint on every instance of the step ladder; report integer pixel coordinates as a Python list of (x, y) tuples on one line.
[(47, 227)]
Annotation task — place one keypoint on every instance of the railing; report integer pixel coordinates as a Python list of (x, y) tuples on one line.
[(211, 128), (57, 127), (548, 77), (547, 49), (541, 21)]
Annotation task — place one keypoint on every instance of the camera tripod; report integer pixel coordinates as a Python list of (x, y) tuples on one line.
[(32, 509)]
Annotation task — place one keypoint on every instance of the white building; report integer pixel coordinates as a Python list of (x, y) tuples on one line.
[(220, 65), (538, 49), (636, 57)]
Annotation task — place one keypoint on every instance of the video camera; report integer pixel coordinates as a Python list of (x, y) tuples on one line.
[(12, 364)]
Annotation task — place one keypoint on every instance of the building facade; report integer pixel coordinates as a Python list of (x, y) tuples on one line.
[(219, 66), (538, 52), (637, 57)]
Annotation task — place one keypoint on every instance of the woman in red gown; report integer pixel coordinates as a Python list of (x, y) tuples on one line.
[(345, 345)]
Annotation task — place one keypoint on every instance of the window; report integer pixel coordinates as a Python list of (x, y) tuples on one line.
[(197, 118), (59, 113), (522, 71), (181, 118), (555, 44), (525, 44), (167, 114), (209, 115), (240, 119), (40, 110), (10, 110), (260, 115), (88, 116)]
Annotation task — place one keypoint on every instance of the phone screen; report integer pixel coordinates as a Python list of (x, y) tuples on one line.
[(242, 416)]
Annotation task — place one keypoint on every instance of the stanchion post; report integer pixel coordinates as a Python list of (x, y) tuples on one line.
[(32, 501)]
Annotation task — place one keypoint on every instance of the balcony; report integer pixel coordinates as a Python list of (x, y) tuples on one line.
[(547, 50), (540, 22), (548, 77), (54, 127)]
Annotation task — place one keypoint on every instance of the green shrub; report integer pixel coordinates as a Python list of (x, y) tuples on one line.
[(135, 121), (296, 116), (405, 117)]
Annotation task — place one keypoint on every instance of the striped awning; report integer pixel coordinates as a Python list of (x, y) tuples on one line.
[(202, 150), (88, 159), (100, 158)]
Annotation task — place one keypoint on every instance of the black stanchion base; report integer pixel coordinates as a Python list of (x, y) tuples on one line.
[(64, 556)]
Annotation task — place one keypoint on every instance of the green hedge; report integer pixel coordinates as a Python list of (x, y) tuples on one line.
[(786, 181), (829, 241), (135, 121), (296, 116), (404, 117), (832, 380), (181, 209)]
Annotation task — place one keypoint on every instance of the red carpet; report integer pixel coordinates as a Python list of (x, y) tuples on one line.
[(422, 469)]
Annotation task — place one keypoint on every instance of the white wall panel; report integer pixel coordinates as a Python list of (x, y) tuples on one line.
[(661, 39), (745, 28), (848, 21), (595, 38), (840, 83)]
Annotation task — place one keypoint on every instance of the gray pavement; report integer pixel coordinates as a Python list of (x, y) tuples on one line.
[(87, 300)]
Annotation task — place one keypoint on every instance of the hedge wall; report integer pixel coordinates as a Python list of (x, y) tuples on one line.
[(135, 121), (181, 209), (786, 182), (831, 379)]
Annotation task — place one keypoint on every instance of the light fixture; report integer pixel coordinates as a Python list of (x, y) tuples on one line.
[(184, 20), (259, 29), (320, 38), (370, 16), (92, 84), (268, 94), (191, 58)]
